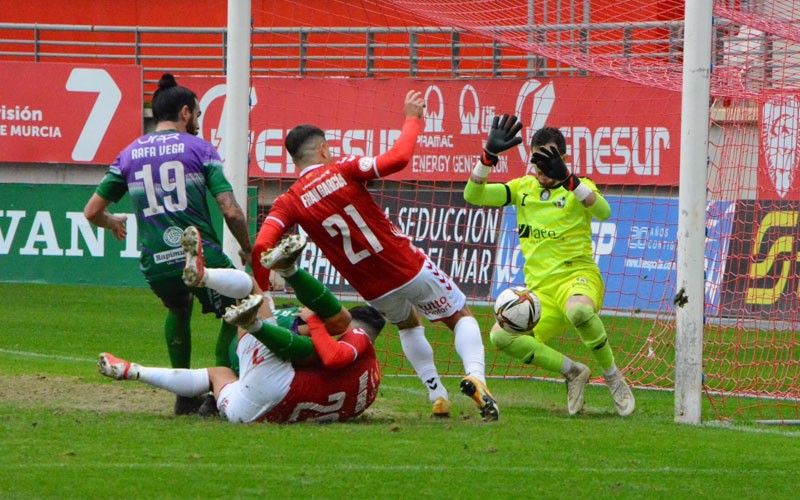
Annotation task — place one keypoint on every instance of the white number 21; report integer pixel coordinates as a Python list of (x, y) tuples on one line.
[(336, 224)]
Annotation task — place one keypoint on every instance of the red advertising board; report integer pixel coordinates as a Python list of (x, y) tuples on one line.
[(68, 113), (617, 132)]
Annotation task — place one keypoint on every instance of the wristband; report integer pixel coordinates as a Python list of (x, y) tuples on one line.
[(480, 173), (582, 191), (489, 159)]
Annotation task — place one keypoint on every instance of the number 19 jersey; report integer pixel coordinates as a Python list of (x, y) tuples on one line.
[(332, 204), (167, 174)]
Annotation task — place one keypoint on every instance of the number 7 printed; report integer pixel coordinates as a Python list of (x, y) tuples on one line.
[(108, 99)]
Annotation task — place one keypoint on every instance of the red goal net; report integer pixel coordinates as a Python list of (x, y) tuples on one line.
[(608, 73)]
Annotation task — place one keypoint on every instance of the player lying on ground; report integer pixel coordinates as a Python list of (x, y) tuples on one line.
[(332, 204), (559, 267), (283, 377)]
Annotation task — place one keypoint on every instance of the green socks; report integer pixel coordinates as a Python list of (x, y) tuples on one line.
[(285, 344), (178, 334), (313, 294)]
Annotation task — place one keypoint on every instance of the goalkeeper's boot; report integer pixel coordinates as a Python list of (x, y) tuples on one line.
[(624, 402), (245, 313), (282, 257), (577, 378), (441, 408), (195, 267), (477, 390), (116, 368)]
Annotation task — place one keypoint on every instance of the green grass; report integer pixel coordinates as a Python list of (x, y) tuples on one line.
[(89, 437)]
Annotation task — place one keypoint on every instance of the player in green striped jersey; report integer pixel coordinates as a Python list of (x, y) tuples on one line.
[(169, 173), (554, 211)]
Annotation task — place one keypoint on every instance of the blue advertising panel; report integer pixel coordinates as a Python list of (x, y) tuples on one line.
[(635, 250)]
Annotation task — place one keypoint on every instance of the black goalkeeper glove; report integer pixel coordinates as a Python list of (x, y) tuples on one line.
[(551, 165), (502, 136)]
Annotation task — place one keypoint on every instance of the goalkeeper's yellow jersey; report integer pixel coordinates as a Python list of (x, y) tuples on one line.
[(555, 229)]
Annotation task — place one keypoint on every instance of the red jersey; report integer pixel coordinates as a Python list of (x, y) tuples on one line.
[(327, 393), (332, 204)]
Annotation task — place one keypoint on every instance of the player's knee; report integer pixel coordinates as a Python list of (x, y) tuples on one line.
[(500, 338), (598, 344), (580, 314)]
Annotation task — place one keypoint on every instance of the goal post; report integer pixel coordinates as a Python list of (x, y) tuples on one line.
[(690, 289), (236, 144)]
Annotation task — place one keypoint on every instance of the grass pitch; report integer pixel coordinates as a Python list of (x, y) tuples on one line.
[(65, 431)]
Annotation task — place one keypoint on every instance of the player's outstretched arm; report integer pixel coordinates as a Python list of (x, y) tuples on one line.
[(402, 150), (503, 135)]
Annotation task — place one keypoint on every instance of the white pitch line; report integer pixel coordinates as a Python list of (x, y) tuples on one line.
[(48, 356)]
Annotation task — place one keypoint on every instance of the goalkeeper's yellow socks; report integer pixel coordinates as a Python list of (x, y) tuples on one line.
[(593, 334), (527, 349)]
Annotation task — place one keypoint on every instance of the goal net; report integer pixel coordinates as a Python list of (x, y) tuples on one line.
[(608, 73)]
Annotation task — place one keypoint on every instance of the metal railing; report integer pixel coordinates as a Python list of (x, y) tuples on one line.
[(330, 51)]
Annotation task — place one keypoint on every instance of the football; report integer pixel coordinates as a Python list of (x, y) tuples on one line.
[(517, 309)]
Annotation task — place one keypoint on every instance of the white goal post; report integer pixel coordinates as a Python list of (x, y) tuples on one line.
[(690, 289)]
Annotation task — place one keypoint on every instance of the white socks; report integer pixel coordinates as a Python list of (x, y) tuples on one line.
[(469, 346), (419, 353), (229, 282), (181, 381)]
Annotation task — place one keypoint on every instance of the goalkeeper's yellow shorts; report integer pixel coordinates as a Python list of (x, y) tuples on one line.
[(553, 297)]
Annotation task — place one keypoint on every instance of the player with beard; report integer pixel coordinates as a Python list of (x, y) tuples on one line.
[(554, 210), (168, 174)]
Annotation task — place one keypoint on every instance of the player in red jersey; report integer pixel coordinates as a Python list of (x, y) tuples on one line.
[(294, 380), (331, 203)]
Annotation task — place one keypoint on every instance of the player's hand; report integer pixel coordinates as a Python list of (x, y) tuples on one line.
[(414, 105), (245, 256), (550, 163), (119, 226), (502, 136), (304, 313)]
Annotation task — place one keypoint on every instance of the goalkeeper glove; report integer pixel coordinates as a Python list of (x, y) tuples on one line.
[(550, 164), (502, 136)]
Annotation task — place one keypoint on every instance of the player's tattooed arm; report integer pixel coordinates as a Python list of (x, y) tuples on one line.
[(236, 222)]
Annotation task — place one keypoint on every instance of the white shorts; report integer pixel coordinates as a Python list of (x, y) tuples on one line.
[(431, 291), (264, 381)]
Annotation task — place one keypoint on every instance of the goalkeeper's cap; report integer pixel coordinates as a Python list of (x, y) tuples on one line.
[(547, 135), (170, 98), (369, 319)]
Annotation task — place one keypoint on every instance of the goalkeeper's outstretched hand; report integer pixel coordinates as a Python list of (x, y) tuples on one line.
[(502, 136), (550, 163)]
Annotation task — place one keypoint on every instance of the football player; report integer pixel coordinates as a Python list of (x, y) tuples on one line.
[(330, 201), (554, 211)]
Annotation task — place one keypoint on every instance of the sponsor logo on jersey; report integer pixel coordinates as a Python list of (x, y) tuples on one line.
[(526, 231), (166, 256), (172, 236), (545, 195)]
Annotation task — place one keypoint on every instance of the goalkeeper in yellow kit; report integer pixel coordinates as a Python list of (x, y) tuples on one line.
[(554, 213)]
